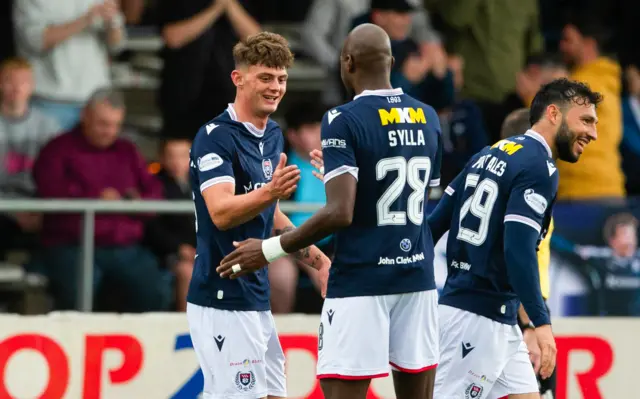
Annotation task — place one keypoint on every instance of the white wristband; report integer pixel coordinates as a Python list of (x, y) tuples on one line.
[(272, 249)]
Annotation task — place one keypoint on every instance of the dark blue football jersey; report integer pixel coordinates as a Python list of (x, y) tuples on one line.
[(225, 150), (514, 180), (390, 142)]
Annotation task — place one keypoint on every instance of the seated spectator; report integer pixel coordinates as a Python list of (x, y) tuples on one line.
[(92, 162), (23, 131), (303, 134), (68, 43), (420, 69), (630, 146), (172, 236)]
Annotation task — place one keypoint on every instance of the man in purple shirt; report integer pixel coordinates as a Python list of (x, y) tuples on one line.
[(91, 161)]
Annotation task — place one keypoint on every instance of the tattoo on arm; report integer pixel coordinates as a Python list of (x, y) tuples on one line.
[(302, 255)]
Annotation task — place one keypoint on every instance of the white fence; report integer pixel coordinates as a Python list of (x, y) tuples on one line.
[(89, 209)]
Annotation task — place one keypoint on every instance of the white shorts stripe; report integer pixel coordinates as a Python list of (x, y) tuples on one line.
[(523, 219), (434, 182), (216, 180), (352, 170), (449, 190)]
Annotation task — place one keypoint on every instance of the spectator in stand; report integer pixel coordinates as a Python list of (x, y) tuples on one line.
[(494, 37), (23, 131), (630, 146), (287, 283), (68, 43), (539, 70), (463, 128), (172, 237), (599, 174), (420, 69), (329, 21), (199, 36), (92, 162)]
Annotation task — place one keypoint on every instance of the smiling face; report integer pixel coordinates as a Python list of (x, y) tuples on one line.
[(262, 87), (576, 130)]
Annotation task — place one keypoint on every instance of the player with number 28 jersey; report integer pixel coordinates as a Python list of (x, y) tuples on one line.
[(391, 144)]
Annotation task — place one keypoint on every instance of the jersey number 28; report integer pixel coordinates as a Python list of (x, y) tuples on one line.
[(408, 172), (480, 204)]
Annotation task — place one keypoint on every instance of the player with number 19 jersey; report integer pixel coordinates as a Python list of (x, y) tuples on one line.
[(381, 305)]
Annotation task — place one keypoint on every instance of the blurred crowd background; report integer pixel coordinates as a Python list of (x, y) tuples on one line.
[(99, 99)]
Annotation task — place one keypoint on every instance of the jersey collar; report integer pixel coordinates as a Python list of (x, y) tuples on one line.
[(381, 92), (537, 136), (250, 126)]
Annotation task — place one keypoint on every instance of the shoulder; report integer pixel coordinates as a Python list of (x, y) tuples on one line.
[(63, 141), (215, 131)]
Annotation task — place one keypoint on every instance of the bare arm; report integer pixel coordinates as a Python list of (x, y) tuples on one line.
[(243, 23), (56, 34), (522, 316), (180, 33), (115, 32), (311, 255), (336, 214), (228, 210)]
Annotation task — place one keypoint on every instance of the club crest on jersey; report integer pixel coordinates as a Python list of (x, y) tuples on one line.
[(473, 391), (267, 168), (245, 380), (405, 245)]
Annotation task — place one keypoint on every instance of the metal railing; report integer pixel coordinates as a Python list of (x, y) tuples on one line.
[(89, 209)]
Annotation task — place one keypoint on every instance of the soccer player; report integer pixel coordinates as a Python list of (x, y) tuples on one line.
[(515, 124), (238, 174), (381, 152), (497, 210)]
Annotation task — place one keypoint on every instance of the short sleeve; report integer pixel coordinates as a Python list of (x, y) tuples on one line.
[(437, 163), (532, 193), (337, 146), (213, 154)]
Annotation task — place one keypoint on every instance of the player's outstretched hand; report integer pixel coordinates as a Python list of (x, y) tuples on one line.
[(547, 349), (285, 179), (247, 255), (318, 162), (534, 349)]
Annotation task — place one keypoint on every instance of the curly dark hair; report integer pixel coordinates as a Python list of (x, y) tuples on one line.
[(561, 92), (264, 48)]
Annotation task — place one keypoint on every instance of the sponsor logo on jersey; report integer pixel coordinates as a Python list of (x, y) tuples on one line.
[(402, 115), (405, 245), (473, 391), (209, 162), (251, 187), (535, 201), (507, 146), (267, 168), (334, 143)]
